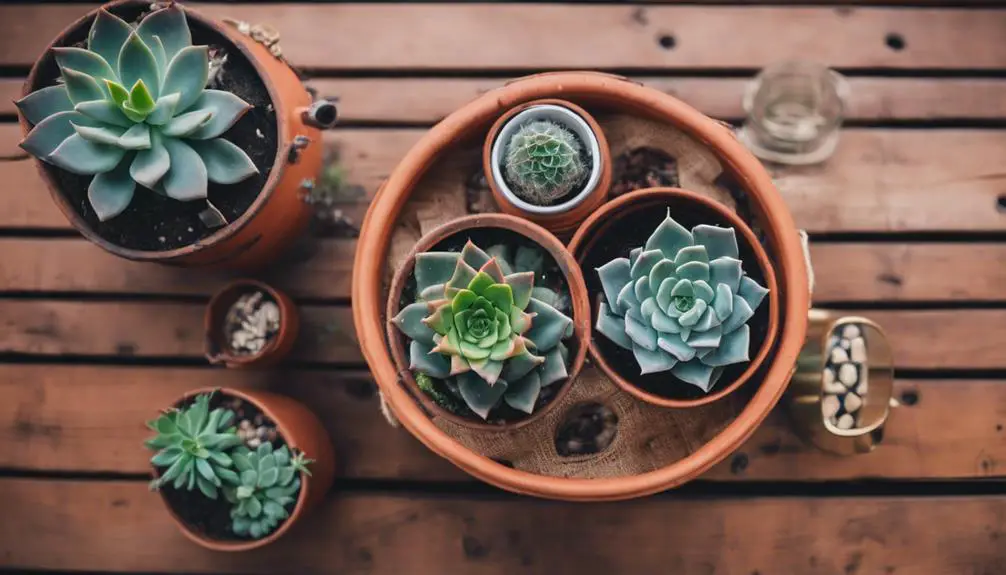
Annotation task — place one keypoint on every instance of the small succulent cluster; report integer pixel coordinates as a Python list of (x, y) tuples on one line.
[(542, 162), (133, 108), (681, 302), (201, 449), (480, 327), (845, 377)]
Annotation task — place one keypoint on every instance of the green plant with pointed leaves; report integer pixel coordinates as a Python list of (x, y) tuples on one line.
[(133, 108), (478, 326), (270, 481), (192, 443), (681, 302), (542, 162)]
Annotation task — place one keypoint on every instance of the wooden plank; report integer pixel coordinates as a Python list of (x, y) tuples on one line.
[(358, 533), (878, 180), (162, 330), (57, 418), (846, 272), (428, 100), (484, 36)]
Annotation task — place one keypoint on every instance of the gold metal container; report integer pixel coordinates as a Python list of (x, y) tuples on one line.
[(841, 393)]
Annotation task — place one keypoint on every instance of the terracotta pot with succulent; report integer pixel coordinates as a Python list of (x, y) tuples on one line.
[(250, 324), (238, 469), (490, 338), (548, 161), (679, 307), (165, 136)]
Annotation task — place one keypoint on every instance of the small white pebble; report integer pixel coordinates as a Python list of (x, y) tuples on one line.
[(846, 422), (858, 351), (253, 442), (259, 133), (861, 388), (851, 331), (245, 424), (162, 239), (270, 311), (852, 402), (830, 405), (847, 374), (839, 355), (844, 344), (828, 383), (261, 431)]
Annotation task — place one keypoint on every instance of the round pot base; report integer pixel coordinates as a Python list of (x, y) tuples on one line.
[(613, 445)]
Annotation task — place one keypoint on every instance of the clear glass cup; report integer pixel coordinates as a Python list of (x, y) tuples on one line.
[(794, 112)]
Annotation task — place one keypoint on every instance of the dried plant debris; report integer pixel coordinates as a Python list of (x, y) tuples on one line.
[(478, 196), (251, 323), (644, 167), (330, 195), (845, 377)]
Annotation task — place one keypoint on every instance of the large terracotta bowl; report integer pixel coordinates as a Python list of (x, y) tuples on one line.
[(471, 122)]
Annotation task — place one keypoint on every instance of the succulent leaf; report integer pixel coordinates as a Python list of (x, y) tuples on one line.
[(137, 63), (107, 35), (85, 62), (186, 75), (170, 26), (225, 108), (681, 302), (434, 268), (479, 396), (80, 156), (187, 178), (43, 103), (269, 483), (110, 192), (151, 164), (81, 87)]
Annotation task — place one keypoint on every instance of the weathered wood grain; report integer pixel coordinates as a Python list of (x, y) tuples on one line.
[(61, 418), (968, 338), (428, 100), (878, 180), (556, 36), (322, 268), (120, 526)]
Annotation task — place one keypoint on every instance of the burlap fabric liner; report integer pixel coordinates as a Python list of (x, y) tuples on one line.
[(647, 437)]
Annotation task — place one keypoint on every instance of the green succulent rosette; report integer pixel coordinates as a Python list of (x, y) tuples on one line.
[(681, 303), (478, 326)]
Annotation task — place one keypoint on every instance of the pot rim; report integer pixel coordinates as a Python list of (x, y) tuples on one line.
[(577, 294), (227, 357), (224, 233), (595, 224), (255, 398), (387, 205), (573, 121)]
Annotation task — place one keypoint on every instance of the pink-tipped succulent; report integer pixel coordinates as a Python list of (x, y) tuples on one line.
[(479, 327)]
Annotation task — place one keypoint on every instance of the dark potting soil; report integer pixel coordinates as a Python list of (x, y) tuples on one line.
[(551, 277), (153, 222), (641, 168), (629, 230), (211, 517)]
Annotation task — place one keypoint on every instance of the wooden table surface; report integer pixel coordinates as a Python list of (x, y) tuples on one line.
[(907, 221)]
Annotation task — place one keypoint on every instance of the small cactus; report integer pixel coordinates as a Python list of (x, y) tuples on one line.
[(543, 162)]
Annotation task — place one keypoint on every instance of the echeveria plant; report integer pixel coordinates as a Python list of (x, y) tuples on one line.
[(542, 162), (478, 325), (270, 481), (133, 108), (193, 445), (681, 302)]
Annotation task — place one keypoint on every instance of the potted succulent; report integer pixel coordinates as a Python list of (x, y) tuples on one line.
[(165, 136), (548, 161), (250, 324), (682, 316), (237, 469), (488, 338)]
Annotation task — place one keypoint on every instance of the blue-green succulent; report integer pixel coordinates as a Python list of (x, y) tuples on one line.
[(270, 482), (681, 302), (192, 445), (133, 108), (484, 328)]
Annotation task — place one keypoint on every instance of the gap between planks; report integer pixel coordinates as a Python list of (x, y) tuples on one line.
[(879, 180), (54, 419), (475, 36), (108, 526)]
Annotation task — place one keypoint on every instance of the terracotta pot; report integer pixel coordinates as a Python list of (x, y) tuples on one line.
[(615, 93), (560, 222), (278, 214), (577, 293), (218, 349), (302, 431), (596, 230)]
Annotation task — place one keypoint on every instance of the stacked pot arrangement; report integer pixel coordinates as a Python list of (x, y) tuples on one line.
[(490, 316), (168, 137)]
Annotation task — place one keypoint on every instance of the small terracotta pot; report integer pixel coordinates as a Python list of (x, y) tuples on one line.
[(561, 222), (302, 431), (218, 349), (595, 230), (278, 215), (577, 293)]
